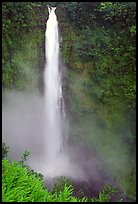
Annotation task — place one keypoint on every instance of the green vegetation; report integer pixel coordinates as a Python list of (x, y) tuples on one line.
[(5, 150), (98, 46), (18, 185), (21, 184), (22, 36)]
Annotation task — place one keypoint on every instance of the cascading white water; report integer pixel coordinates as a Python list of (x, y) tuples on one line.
[(57, 161), (53, 89)]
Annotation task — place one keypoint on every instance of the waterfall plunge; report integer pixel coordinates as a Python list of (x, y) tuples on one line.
[(54, 104), (57, 160), (53, 89)]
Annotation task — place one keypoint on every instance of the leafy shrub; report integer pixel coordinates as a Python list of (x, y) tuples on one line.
[(59, 185), (5, 150), (21, 185), (105, 194)]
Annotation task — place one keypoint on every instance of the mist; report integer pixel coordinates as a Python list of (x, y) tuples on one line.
[(99, 159), (23, 128)]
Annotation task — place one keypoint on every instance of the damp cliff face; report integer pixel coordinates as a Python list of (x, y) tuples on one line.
[(98, 73)]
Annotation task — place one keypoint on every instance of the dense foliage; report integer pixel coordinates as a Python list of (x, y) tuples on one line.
[(105, 40), (99, 47), (19, 185), (22, 32)]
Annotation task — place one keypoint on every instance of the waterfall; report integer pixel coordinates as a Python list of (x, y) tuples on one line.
[(54, 159), (53, 89)]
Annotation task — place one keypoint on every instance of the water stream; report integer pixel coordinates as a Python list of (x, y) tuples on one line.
[(53, 90)]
